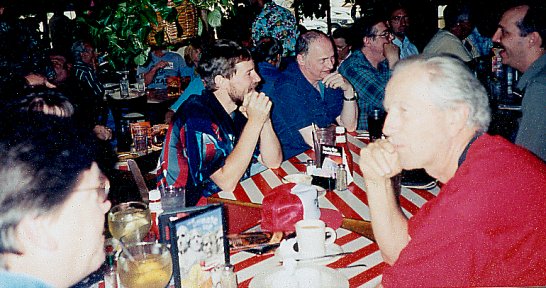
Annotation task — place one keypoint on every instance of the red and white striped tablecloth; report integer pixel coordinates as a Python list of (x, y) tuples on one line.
[(352, 203), (248, 265)]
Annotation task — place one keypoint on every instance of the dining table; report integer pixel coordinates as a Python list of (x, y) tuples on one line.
[(352, 202)]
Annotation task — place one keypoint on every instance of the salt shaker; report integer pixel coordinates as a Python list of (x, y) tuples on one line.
[(341, 178), (228, 278), (310, 167)]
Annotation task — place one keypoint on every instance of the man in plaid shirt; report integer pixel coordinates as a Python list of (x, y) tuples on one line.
[(368, 68)]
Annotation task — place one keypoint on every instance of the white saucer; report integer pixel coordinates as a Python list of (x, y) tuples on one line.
[(329, 278), (330, 250)]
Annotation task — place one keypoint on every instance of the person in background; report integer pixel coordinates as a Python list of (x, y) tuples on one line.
[(216, 138), (161, 64), (276, 22), (90, 100), (522, 36), (489, 218), (399, 22), (53, 203), (342, 42), (311, 92), (267, 55), (192, 55), (368, 67), (452, 39)]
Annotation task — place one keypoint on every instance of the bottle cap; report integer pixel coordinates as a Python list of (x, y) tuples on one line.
[(340, 130), (154, 195)]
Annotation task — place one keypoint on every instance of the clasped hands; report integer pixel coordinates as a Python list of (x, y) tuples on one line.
[(256, 107), (379, 161)]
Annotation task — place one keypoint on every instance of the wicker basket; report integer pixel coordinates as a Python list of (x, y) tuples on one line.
[(187, 19)]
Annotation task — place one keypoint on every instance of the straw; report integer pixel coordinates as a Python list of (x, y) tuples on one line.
[(126, 251)]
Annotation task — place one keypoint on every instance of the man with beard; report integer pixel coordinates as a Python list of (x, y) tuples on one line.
[(522, 35), (212, 141), (308, 93), (399, 22)]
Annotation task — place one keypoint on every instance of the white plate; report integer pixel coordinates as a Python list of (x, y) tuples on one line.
[(330, 250), (329, 278), (298, 178)]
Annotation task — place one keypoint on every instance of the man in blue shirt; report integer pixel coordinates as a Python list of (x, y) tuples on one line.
[(399, 22), (162, 64), (212, 142), (308, 93), (368, 67)]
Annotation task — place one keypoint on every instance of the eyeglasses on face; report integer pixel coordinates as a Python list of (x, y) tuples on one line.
[(397, 19), (385, 34)]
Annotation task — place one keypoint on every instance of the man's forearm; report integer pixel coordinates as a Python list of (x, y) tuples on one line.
[(270, 147), (237, 161), (149, 76), (389, 224), (349, 113)]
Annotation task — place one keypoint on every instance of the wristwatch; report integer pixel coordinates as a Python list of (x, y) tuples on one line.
[(350, 99)]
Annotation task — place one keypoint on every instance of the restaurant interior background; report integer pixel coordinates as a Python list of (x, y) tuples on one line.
[(427, 17)]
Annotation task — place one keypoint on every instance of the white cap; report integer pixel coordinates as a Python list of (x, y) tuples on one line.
[(154, 195), (340, 129)]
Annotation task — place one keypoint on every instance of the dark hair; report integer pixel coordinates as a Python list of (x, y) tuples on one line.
[(304, 40), (220, 59), (267, 49), (194, 45), (455, 13), (342, 32), (364, 27), (534, 21), (41, 160)]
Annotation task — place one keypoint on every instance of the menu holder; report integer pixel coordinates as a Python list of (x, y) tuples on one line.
[(199, 245)]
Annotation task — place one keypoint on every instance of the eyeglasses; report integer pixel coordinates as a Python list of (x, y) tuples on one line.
[(385, 34), (397, 19), (102, 191)]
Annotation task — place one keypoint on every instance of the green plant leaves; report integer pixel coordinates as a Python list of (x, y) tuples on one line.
[(214, 18)]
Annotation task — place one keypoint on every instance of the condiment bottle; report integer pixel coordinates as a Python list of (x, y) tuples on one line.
[(341, 178), (124, 85), (228, 279), (341, 141), (154, 197)]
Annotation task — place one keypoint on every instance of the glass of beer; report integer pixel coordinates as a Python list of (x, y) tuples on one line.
[(151, 265), (129, 218)]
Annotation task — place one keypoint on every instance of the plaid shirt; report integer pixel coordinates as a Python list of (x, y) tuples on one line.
[(279, 23), (368, 82)]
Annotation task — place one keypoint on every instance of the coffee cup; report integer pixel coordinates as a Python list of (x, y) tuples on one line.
[(313, 236)]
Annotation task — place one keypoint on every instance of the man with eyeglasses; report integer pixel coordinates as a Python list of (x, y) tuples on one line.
[(53, 202), (452, 39), (342, 42), (368, 68), (399, 22)]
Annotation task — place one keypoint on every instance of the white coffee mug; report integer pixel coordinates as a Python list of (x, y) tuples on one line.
[(312, 239)]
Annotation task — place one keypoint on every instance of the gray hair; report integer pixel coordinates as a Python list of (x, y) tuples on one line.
[(453, 83)]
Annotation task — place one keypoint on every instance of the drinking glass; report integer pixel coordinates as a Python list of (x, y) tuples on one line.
[(151, 266), (128, 218)]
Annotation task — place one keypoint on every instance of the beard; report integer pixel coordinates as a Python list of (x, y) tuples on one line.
[(238, 95)]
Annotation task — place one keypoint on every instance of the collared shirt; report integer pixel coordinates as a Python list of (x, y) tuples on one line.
[(482, 44), (279, 23), (406, 47), (269, 75), (296, 105), (200, 138), (532, 126), (368, 82), (178, 68), (88, 77), (446, 42)]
